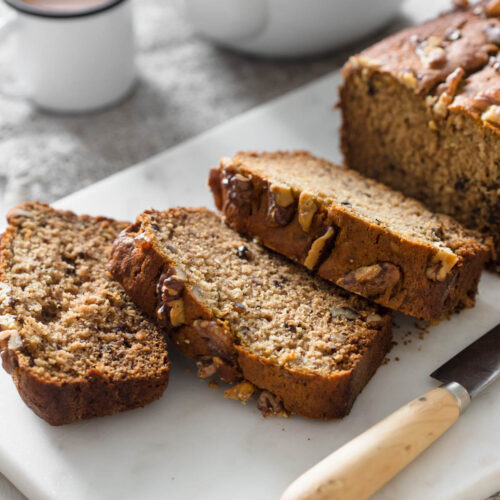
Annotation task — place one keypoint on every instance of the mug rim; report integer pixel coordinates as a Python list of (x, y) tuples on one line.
[(26, 8)]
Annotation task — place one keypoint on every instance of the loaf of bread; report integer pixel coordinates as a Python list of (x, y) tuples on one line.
[(249, 315), (73, 342), (351, 230), (421, 113)]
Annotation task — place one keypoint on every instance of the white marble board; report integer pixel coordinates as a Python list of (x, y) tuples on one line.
[(193, 443)]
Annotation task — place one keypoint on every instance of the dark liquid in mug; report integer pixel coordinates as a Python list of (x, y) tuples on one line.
[(65, 5)]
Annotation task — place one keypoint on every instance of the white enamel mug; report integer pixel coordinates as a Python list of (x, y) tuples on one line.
[(74, 60), (287, 28)]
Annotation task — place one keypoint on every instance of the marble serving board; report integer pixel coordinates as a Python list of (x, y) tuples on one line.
[(193, 443)]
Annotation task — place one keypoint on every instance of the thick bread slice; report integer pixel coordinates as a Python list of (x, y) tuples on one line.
[(74, 343), (246, 313), (351, 230)]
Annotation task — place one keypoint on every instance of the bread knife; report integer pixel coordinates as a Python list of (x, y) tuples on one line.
[(362, 466)]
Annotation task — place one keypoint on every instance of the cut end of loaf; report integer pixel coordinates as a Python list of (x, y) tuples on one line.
[(437, 140)]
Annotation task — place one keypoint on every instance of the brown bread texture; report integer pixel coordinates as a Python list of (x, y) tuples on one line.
[(251, 316), (353, 231), (421, 113), (74, 343)]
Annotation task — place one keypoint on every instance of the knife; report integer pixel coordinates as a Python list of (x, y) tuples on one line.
[(362, 466)]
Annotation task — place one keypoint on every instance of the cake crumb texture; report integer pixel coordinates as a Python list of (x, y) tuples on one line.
[(74, 343)]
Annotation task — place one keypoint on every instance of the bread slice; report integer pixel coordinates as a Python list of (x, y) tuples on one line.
[(249, 315), (353, 231), (421, 113), (74, 343)]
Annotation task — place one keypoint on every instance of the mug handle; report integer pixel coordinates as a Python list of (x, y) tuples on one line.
[(9, 24)]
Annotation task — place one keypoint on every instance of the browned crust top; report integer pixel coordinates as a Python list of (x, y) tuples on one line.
[(451, 60)]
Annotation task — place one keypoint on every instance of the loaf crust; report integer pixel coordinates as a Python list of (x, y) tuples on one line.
[(356, 242), (421, 113), (56, 396), (138, 262)]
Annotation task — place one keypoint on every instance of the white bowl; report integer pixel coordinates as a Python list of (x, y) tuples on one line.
[(287, 28)]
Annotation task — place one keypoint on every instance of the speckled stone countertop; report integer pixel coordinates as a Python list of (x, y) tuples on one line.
[(185, 86)]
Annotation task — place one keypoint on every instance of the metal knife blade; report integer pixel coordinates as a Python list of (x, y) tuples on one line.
[(476, 367)]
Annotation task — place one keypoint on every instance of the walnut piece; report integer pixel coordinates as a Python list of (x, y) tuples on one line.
[(343, 312), (269, 404), (280, 205), (239, 191), (170, 288), (408, 79), (206, 367), (441, 264), (241, 392), (177, 317), (317, 248), (431, 52), (371, 281), (492, 115), (282, 194), (449, 89), (307, 208), (373, 318)]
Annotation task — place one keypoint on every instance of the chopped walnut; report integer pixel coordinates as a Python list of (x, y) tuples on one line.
[(441, 264), (408, 79), (317, 248), (343, 312), (206, 367), (373, 318), (177, 317), (239, 190), (492, 115), (282, 194), (269, 404), (241, 392), (281, 206), (373, 280), (307, 209), (431, 51), (449, 89)]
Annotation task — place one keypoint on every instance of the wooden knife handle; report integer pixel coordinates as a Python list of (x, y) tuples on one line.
[(359, 468)]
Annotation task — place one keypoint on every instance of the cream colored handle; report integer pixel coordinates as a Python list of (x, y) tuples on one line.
[(359, 468)]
